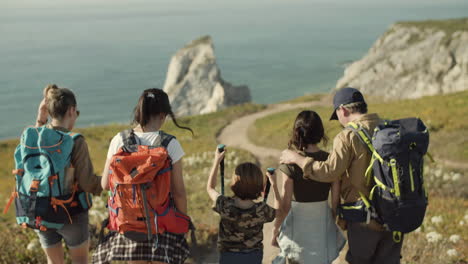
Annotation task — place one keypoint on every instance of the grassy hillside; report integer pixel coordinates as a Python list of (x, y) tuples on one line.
[(444, 231), (443, 235), (197, 161), (449, 26), (446, 116)]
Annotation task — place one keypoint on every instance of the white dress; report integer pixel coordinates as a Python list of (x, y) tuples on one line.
[(309, 235)]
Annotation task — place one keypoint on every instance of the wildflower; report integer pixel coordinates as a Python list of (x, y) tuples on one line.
[(452, 252), (454, 238), (456, 177), (33, 245), (99, 203), (438, 173), (436, 219), (461, 223), (433, 237), (466, 217), (446, 177)]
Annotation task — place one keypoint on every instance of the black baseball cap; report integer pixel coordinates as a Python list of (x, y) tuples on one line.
[(345, 96)]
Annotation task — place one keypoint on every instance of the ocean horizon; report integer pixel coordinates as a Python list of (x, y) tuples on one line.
[(109, 52)]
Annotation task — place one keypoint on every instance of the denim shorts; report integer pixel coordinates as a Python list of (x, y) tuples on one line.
[(252, 257), (74, 234)]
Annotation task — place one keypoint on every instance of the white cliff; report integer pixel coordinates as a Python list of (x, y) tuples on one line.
[(414, 59), (194, 82)]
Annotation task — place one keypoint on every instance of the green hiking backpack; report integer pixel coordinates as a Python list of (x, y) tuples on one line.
[(398, 198)]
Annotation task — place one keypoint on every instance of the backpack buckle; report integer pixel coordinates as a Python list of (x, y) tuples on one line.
[(368, 217), (34, 186)]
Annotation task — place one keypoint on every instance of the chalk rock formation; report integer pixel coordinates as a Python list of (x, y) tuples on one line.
[(194, 82), (414, 59)]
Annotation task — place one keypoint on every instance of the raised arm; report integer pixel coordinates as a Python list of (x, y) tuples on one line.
[(211, 183), (42, 112)]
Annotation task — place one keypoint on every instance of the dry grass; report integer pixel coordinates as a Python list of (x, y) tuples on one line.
[(444, 235), (199, 152)]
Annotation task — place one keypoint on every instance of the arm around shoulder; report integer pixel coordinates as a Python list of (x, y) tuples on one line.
[(211, 183), (337, 163)]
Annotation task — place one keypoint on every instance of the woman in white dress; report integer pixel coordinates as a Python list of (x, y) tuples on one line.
[(306, 232)]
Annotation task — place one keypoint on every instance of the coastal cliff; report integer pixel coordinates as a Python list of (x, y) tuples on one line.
[(414, 59), (194, 83)]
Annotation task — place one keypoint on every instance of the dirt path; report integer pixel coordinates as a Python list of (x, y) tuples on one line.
[(236, 135)]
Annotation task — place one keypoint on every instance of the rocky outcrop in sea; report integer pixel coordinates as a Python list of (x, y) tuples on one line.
[(414, 59), (194, 83)]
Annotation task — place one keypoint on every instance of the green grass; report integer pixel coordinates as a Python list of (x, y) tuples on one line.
[(199, 152), (445, 115), (449, 26), (447, 119), (305, 98)]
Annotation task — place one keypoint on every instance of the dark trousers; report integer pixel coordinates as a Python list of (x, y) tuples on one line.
[(368, 246), (252, 257)]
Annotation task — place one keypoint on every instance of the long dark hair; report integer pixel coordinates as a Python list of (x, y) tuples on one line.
[(308, 129), (153, 102)]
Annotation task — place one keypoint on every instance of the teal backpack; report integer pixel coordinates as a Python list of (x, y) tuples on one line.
[(44, 197)]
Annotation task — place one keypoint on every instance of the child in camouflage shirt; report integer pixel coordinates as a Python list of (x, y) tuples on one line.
[(241, 227)]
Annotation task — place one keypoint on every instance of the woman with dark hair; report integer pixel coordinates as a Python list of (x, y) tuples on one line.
[(305, 230), (149, 116)]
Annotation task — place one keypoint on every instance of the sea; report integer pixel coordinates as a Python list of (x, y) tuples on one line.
[(108, 51)]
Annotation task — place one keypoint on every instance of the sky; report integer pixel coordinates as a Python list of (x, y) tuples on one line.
[(199, 3)]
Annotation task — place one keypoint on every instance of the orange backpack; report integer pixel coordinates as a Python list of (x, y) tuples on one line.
[(140, 204)]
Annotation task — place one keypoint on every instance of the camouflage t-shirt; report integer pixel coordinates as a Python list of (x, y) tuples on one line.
[(241, 229)]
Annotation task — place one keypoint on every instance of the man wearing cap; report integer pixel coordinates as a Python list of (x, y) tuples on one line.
[(368, 243)]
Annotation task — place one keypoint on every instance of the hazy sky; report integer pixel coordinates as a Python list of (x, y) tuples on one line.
[(200, 3)]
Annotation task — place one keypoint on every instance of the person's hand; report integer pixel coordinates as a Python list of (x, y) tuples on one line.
[(274, 238), (341, 223), (289, 157), (42, 112), (219, 156)]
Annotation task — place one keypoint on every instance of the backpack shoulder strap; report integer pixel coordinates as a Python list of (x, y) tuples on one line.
[(164, 139), (362, 134), (74, 135), (130, 140)]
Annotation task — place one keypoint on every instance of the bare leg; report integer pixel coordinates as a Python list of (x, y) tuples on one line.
[(79, 255), (54, 254)]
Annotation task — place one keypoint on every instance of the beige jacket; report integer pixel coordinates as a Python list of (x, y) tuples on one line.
[(348, 161)]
